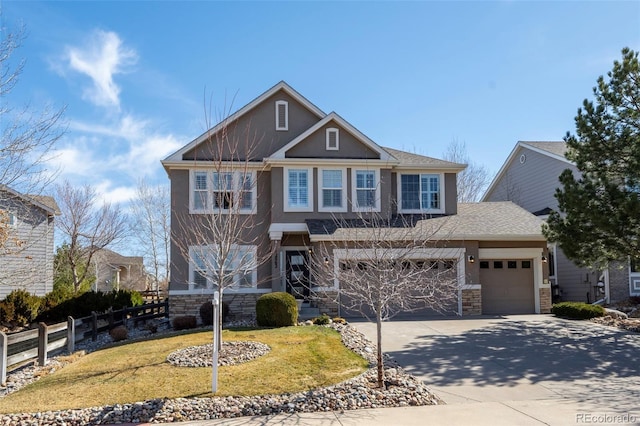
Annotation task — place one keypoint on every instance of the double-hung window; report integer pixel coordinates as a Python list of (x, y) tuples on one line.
[(332, 194), (237, 270), (365, 189), (298, 189), (223, 192), (420, 192)]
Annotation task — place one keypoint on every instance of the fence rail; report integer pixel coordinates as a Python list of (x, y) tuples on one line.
[(17, 348)]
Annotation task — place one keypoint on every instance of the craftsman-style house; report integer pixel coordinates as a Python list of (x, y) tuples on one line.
[(308, 174)]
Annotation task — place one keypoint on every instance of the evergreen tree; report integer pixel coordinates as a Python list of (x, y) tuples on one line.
[(63, 283), (599, 211)]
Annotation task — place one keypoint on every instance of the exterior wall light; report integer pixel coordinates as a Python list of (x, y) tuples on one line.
[(326, 261), (544, 259), (471, 259)]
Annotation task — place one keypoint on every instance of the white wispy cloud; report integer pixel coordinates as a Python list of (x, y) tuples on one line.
[(102, 57)]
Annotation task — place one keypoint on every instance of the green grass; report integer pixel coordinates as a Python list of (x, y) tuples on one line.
[(301, 358)]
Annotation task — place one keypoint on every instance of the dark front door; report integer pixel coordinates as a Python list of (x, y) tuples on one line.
[(298, 273)]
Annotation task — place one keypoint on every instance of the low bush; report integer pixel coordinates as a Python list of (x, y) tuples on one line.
[(339, 320), (25, 306), (119, 333), (184, 322), (577, 310), (322, 320), (7, 313), (206, 313), (86, 303), (277, 309)]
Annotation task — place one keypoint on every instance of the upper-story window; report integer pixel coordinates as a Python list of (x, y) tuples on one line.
[(332, 195), (298, 190), (333, 139), (223, 192), (282, 115), (13, 220), (366, 186), (420, 193)]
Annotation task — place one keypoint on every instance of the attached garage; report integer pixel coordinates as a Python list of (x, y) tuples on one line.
[(507, 286)]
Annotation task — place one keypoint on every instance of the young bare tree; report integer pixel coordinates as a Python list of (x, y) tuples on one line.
[(473, 180), (27, 140), (222, 236), (388, 267), (151, 227), (88, 227)]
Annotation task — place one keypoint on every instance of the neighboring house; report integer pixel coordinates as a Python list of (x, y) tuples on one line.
[(26, 248), (314, 170), (114, 272), (529, 177)]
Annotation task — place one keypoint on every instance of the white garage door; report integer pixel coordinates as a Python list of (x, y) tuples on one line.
[(507, 286)]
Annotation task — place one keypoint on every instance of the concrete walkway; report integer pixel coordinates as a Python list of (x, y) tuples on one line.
[(515, 370)]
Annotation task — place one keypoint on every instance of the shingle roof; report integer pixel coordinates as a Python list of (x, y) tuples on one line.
[(502, 220), (410, 159), (557, 148), (47, 201)]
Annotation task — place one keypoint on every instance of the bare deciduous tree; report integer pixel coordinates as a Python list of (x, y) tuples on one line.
[(221, 236), (388, 267), (151, 227), (88, 227), (473, 180), (27, 139)]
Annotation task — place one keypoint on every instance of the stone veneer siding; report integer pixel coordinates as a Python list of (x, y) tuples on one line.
[(618, 282), (471, 302), (545, 300), (242, 306), (327, 303)]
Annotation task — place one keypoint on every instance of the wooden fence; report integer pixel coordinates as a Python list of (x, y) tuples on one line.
[(18, 348)]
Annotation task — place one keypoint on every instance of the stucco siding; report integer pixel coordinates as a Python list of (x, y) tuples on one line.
[(259, 129), (314, 146)]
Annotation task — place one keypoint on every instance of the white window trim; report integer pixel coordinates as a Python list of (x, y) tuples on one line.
[(354, 193), (285, 195), (327, 138), (634, 282), (321, 207), (235, 287), (421, 210), (236, 181), (13, 219), (286, 115)]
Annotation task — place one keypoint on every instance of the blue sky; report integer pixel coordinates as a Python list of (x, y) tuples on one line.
[(410, 75)]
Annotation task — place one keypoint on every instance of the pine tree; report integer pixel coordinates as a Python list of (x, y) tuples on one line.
[(599, 211)]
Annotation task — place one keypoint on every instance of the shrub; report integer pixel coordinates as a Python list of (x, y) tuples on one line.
[(184, 322), (120, 299), (322, 320), (577, 310), (277, 309), (7, 313), (25, 306), (118, 333), (86, 303), (206, 313), (339, 320)]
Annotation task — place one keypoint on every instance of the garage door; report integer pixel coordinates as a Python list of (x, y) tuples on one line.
[(507, 286)]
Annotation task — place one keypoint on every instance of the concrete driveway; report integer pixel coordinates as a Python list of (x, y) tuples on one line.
[(547, 370)]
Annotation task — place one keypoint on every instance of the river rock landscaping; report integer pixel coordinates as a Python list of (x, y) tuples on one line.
[(401, 389)]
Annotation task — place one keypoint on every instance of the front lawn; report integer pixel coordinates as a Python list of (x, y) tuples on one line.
[(301, 358)]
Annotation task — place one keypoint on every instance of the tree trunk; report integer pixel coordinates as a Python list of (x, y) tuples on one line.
[(380, 361)]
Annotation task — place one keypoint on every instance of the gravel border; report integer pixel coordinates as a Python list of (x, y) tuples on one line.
[(360, 392)]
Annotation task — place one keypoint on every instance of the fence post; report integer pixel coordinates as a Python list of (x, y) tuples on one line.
[(111, 318), (3, 359), (94, 326), (71, 335), (43, 340), (166, 307)]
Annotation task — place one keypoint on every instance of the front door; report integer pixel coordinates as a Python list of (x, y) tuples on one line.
[(297, 273)]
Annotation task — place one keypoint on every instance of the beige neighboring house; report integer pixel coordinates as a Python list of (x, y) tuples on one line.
[(312, 172), (26, 252), (529, 177), (114, 271)]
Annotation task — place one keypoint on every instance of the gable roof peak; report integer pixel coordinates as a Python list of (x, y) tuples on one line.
[(281, 85)]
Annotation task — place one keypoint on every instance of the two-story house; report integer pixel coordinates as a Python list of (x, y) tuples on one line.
[(26, 242), (529, 177), (311, 169), (114, 271)]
